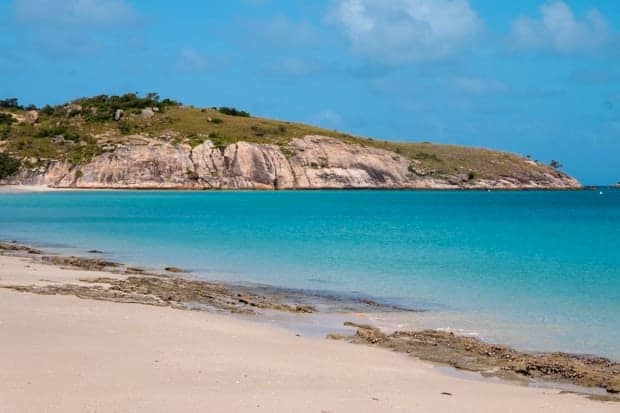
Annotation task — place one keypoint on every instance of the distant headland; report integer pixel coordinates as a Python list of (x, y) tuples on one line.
[(135, 142)]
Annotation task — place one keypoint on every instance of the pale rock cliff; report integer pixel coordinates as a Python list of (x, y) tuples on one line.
[(312, 162)]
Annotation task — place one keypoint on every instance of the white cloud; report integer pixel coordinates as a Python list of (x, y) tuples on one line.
[(74, 12), (397, 31), (559, 30)]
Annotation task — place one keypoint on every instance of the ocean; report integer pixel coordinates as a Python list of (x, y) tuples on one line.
[(539, 270)]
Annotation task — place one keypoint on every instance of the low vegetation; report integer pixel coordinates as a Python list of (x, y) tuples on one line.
[(103, 107), (13, 103), (6, 119), (10, 103), (233, 112), (555, 164), (80, 129), (8, 165)]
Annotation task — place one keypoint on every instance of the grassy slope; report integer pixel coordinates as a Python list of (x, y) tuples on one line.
[(192, 126)]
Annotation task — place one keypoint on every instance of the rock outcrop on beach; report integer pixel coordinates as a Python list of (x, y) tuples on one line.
[(133, 142), (141, 286), (311, 162), (468, 353), (123, 284)]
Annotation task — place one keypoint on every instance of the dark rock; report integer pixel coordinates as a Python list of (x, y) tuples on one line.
[(14, 247), (92, 264), (471, 354), (175, 269)]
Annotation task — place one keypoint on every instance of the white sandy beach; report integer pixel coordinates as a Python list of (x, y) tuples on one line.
[(64, 354), (24, 188)]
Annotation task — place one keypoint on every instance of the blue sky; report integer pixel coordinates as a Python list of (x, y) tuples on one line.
[(534, 77)]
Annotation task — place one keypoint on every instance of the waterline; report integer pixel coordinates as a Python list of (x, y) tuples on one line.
[(539, 270)]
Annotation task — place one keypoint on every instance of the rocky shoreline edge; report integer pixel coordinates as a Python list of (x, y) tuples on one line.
[(174, 288), (22, 188)]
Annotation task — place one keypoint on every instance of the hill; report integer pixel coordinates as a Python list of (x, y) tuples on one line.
[(130, 141)]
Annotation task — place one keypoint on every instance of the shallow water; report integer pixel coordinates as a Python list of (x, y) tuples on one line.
[(539, 270)]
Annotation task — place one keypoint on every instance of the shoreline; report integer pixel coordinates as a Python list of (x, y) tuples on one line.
[(80, 355), (10, 188), (177, 290), (269, 297), (385, 312)]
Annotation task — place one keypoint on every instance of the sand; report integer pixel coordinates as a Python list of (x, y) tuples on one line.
[(8, 189), (65, 354), (24, 188)]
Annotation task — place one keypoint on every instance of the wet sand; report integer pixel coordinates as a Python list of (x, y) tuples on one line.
[(63, 353)]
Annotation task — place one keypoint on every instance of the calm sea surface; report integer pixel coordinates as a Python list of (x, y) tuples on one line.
[(540, 270)]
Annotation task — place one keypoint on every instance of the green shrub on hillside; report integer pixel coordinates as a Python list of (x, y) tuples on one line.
[(10, 103), (8, 165), (5, 132), (47, 132), (6, 119), (48, 110), (125, 127), (555, 164), (423, 156), (101, 108), (258, 131), (233, 112), (218, 140)]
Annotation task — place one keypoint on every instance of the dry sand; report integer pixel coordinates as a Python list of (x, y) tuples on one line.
[(64, 354), (24, 188), (9, 189)]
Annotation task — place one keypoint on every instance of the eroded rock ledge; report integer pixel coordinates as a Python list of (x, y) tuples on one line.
[(151, 288), (167, 292), (491, 359)]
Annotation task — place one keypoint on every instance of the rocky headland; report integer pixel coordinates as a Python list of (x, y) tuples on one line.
[(467, 353), (129, 142), (313, 162)]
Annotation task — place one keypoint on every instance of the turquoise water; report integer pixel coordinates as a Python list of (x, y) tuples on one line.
[(540, 270)]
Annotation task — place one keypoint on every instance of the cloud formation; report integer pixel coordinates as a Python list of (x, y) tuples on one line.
[(74, 12), (400, 31), (558, 30)]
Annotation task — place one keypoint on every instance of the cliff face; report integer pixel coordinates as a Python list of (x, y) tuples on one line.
[(311, 162)]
